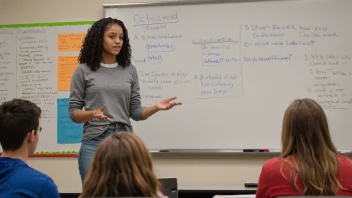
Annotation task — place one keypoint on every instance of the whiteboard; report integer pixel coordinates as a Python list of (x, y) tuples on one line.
[(236, 66), (36, 63)]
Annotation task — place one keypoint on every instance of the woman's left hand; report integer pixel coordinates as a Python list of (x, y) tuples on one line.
[(167, 104)]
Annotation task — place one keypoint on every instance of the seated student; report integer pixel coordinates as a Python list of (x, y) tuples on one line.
[(121, 167), (309, 164), (19, 134)]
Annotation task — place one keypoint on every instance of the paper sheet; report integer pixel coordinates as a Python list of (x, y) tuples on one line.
[(65, 69)]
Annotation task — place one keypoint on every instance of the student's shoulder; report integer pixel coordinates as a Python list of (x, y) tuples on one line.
[(42, 179), (29, 177), (345, 161), (276, 161), (36, 175), (272, 167)]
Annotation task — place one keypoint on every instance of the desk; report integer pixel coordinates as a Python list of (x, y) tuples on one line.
[(197, 191)]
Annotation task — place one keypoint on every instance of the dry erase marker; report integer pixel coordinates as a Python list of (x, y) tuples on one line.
[(256, 150)]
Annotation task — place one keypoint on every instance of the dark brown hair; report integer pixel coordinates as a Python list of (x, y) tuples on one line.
[(17, 118)]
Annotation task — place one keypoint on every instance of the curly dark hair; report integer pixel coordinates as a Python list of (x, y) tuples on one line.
[(91, 51)]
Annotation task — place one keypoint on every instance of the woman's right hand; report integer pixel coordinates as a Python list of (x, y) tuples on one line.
[(99, 114)]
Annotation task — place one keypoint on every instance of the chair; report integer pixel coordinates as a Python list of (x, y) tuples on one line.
[(169, 187)]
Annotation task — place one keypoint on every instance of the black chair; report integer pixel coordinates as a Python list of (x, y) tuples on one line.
[(169, 187)]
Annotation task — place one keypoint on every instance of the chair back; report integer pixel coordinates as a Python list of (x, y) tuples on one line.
[(169, 187)]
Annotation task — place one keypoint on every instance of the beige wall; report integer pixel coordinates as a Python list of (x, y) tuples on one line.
[(191, 171), (202, 170)]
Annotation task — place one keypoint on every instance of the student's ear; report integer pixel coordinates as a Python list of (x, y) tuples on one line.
[(31, 136)]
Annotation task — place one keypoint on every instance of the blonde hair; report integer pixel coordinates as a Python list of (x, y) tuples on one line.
[(122, 166), (307, 147)]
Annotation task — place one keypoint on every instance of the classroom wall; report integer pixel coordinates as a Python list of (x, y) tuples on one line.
[(191, 170)]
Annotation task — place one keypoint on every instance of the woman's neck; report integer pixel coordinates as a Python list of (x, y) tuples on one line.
[(108, 59)]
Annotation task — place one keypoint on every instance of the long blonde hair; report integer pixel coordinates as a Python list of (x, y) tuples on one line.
[(307, 147), (122, 166)]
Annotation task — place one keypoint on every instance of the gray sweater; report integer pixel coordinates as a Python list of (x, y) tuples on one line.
[(117, 88)]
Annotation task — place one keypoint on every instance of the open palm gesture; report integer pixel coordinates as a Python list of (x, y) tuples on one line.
[(99, 113), (167, 104)]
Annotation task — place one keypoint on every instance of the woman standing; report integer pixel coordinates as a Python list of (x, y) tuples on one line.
[(106, 85)]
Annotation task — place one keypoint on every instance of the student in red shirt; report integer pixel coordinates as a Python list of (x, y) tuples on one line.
[(309, 164)]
